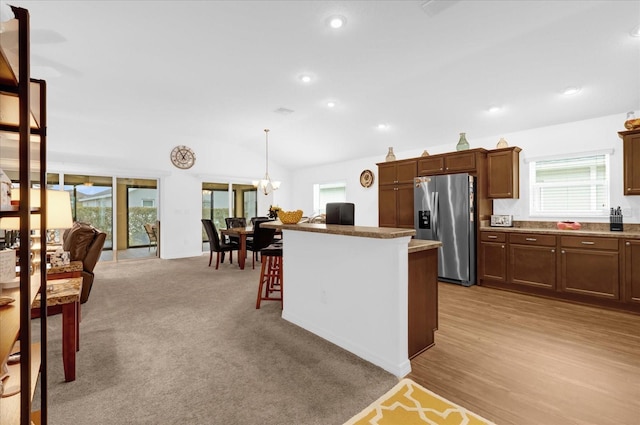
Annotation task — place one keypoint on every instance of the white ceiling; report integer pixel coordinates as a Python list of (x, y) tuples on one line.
[(162, 73)]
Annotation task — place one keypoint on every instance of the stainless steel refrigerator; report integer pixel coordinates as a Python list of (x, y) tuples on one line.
[(445, 211)]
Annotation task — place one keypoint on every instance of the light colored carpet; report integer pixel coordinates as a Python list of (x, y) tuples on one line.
[(410, 403), (177, 342)]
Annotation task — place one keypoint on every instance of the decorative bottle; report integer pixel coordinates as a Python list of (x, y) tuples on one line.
[(462, 145), (390, 155)]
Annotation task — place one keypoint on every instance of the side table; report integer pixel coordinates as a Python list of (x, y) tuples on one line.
[(65, 295)]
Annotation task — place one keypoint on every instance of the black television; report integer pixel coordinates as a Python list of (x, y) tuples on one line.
[(340, 213)]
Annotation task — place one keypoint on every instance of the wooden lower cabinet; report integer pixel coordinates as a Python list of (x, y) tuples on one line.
[(589, 266), (632, 271), (493, 257), (423, 300), (532, 260), (395, 206)]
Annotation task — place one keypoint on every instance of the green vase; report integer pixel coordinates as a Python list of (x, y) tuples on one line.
[(462, 145)]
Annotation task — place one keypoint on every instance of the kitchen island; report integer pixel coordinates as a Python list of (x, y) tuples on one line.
[(350, 285)]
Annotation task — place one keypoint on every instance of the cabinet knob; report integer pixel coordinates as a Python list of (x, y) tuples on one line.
[(562, 252), (553, 250), (628, 244)]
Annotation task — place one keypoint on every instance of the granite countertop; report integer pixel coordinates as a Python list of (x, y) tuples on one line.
[(632, 231), (337, 229), (61, 291), (416, 245)]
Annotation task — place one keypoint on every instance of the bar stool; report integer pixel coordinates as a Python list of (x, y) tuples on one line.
[(270, 274)]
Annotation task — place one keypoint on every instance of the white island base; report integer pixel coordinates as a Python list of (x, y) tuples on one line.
[(348, 284)]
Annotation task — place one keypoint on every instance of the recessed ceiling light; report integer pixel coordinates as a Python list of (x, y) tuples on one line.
[(635, 32), (305, 78), (337, 21), (495, 109), (570, 91), (331, 104), (383, 126)]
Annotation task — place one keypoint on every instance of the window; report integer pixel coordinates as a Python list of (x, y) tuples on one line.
[(328, 192), (148, 203), (570, 187)]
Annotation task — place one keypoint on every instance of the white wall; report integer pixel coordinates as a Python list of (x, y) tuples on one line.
[(584, 136), (180, 202)]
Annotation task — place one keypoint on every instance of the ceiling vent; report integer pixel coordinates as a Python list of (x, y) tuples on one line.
[(433, 7), (283, 111)]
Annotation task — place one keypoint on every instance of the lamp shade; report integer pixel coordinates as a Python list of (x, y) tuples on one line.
[(58, 211)]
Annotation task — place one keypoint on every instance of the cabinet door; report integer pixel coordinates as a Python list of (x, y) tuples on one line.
[(406, 171), (386, 174), (631, 140), (430, 165), (404, 206), (632, 271), (493, 261), (589, 272), (532, 265), (423, 300), (460, 162), (504, 173), (387, 214)]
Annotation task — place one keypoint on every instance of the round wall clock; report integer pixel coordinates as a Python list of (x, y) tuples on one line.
[(366, 178), (183, 157)]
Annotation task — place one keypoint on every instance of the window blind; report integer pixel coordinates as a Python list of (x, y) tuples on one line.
[(570, 187)]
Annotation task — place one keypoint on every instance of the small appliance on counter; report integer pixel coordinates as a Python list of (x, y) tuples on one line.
[(501, 220)]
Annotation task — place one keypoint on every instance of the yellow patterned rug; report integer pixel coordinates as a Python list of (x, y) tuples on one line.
[(411, 404)]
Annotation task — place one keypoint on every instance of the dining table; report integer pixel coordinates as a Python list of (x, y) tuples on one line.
[(241, 233)]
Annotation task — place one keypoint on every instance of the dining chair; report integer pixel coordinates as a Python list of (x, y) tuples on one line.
[(216, 245), (262, 238), (232, 222), (151, 234)]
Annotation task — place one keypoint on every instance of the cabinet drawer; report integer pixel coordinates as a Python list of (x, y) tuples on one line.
[(532, 239), (493, 236), (587, 242)]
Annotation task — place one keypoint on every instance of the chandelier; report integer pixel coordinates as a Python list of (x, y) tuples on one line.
[(266, 185)]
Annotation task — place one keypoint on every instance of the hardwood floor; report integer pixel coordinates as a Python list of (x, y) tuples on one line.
[(523, 360)]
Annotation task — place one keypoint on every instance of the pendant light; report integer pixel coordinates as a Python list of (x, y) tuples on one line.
[(266, 185)]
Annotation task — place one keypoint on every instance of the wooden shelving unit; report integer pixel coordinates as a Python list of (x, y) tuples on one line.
[(23, 147)]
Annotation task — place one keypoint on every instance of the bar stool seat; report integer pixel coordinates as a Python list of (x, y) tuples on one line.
[(270, 274)]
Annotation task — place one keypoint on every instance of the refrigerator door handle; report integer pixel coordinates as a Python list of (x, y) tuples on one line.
[(435, 222)]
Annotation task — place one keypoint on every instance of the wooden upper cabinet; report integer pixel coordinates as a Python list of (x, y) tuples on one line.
[(449, 163), (460, 162), (631, 161), (397, 172), (503, 166), (430, 165)]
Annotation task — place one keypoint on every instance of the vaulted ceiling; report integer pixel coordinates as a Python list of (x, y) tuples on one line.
[(161, 73)]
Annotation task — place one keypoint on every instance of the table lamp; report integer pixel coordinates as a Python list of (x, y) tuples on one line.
[(58, 215)]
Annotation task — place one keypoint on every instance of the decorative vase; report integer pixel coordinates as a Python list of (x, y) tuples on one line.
[(502, 143), (462, 145), (390, 155), (425, 153)]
